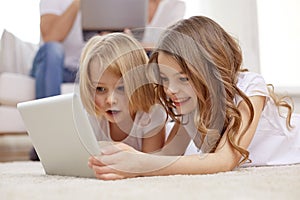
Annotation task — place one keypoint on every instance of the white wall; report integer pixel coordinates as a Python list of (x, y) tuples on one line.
[(22, 18), (279, 34), (238, 17), (296, 103)]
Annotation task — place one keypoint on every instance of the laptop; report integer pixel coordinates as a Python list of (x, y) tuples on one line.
[(61, 134), (113, 16)]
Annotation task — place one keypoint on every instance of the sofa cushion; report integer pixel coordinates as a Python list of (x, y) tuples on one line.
[(16, 55), (69, 88), (11, 121), (15, 88)]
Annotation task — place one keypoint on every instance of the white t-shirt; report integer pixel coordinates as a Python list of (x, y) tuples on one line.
[(273, 143), (144, 125), (73, 43)]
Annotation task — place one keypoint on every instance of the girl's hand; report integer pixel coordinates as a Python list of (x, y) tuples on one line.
[(116, 161), (119, 161)]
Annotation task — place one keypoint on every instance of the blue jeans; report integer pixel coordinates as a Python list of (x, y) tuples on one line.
[(49, 70)]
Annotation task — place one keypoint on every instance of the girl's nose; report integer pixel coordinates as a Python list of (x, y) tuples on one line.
[(111, 99), (172, 88)]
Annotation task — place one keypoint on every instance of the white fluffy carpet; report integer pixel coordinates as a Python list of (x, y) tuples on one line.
[(27, 180)]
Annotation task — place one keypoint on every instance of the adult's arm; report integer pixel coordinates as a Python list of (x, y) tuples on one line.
[(57, 27)]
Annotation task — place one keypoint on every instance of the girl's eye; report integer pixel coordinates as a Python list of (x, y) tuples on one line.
[(164, 79), (121, 88), (101, 89), (184, 79)]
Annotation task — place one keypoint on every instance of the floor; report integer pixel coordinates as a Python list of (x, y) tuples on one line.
[(14, 147)]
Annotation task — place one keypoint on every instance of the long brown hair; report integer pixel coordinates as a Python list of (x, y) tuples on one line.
[(212, 60)]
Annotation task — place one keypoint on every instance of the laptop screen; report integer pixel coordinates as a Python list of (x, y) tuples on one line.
[(113, 15)]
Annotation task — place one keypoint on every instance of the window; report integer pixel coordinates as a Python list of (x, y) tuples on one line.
[(279, 35)]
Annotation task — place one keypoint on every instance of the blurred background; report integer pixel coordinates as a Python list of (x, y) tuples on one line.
[(273, 26)]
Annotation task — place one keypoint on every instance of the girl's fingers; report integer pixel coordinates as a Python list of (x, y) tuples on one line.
[(115, 166), (103, 169), (115, 148), (110, 176), (95, 161), (106, 173), (103, 160)]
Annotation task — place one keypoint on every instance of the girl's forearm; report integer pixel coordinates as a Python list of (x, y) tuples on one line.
[(194, 164)]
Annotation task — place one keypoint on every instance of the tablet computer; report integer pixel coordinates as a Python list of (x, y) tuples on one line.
[(61, 134)]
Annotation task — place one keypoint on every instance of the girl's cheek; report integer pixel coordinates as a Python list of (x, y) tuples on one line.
[(99, 102)]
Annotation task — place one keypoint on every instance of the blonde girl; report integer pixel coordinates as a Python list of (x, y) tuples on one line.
[(113, 87), (230, 115)]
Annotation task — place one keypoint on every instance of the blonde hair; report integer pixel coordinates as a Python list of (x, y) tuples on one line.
[(212, 59), (125, 57)]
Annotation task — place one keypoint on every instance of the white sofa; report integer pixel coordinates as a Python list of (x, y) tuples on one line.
[(16, 85)]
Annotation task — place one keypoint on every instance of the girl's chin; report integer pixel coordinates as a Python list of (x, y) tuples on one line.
[(183, 111), (114, 119)]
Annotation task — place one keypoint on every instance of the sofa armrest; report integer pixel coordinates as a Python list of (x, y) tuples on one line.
[(15, 88), (68, 88)]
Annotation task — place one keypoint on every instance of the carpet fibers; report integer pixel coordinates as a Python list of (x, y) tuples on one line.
[(27, 180)]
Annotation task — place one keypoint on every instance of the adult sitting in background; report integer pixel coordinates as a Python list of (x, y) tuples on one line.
[(61, 38), (57, 59)]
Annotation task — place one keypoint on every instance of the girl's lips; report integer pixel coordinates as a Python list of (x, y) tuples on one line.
[(113, 112), (179, 102)]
